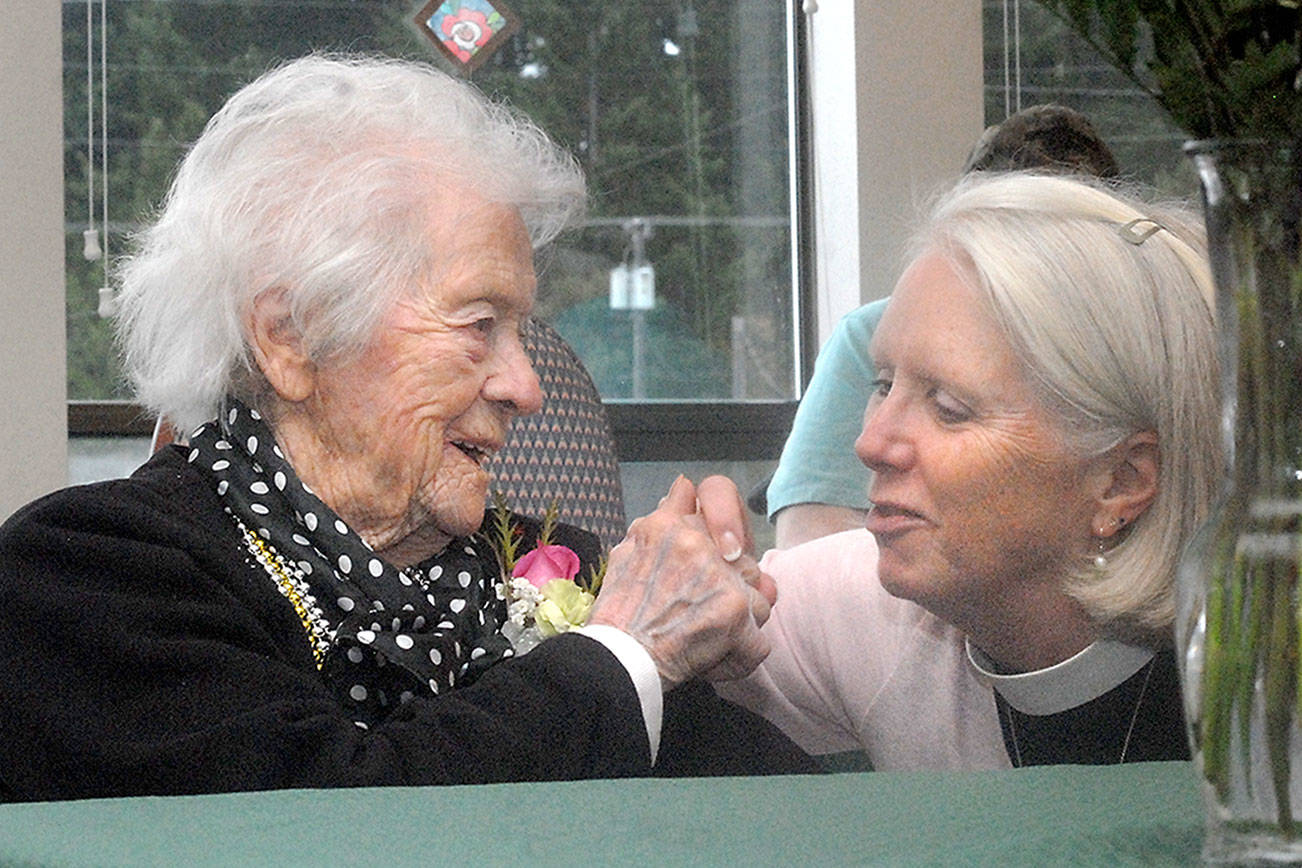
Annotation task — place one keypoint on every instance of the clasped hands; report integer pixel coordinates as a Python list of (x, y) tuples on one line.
[(686, 585)]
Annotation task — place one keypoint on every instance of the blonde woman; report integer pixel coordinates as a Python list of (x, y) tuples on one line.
[(1044, 441)]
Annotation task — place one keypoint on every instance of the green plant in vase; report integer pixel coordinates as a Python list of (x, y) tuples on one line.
[(1230, 73)]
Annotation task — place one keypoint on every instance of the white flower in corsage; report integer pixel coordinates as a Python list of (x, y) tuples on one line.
[(543, 591)]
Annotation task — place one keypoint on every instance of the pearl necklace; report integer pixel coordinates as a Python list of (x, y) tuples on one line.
[(1125, 745)]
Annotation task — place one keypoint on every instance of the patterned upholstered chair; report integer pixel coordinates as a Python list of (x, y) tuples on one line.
[(565, 453)]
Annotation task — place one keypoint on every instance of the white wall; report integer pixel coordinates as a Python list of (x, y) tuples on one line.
[(33, 426), (897, 90)]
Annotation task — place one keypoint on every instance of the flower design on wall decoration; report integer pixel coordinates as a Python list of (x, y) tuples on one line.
[(467, 32)]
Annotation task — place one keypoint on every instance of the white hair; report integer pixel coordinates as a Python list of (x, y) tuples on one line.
[(318, 179), (1117, 338)]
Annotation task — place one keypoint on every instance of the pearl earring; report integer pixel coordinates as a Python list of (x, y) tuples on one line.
[(1100, 559)]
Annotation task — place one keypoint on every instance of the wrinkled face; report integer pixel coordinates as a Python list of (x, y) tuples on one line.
[(408, 426), (976, 501)]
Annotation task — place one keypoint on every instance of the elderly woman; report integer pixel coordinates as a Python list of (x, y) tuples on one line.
[(332, 298), (1044, 442)]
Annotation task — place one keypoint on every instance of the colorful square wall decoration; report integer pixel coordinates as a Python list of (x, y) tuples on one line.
[(467, 31)]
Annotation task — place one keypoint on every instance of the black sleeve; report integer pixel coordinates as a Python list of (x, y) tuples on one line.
[(141, 653), (704, 735)]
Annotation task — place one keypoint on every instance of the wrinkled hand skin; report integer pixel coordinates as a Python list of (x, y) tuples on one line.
[(669, 587)]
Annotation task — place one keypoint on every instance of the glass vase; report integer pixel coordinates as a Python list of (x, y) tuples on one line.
[(1238, 611)]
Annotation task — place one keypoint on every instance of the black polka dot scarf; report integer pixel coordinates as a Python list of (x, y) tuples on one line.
[(382, 635)]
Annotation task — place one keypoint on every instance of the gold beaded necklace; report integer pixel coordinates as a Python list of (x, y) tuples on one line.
[(292, 586)]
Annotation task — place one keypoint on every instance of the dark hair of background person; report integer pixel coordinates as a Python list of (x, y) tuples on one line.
[(1045, 137)]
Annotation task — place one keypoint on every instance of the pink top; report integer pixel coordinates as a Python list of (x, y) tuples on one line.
[(856, 668)]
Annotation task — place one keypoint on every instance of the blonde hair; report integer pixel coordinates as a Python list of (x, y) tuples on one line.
[(1116, 332)]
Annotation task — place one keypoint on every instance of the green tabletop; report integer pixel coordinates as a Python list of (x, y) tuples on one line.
[(1141, 814)]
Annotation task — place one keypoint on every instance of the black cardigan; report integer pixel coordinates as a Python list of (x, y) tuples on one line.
[(143, 652)]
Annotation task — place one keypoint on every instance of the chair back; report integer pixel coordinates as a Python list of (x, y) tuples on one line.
[(564, 454)]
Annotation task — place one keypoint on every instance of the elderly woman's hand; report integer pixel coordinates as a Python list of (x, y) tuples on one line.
[(720, 505), (668, 586)]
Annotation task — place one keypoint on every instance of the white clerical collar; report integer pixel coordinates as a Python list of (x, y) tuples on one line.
[(1092, 672)]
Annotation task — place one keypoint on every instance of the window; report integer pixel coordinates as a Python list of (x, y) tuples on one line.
[(679, 292), (679, 287)]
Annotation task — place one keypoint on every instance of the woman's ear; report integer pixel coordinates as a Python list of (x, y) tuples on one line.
[(278, 347), (1129, 484)]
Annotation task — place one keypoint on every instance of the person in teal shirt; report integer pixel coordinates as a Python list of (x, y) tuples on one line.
[(818, 471), (820, 487)]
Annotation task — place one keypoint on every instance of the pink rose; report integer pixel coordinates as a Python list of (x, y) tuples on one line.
[(545, 563)]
